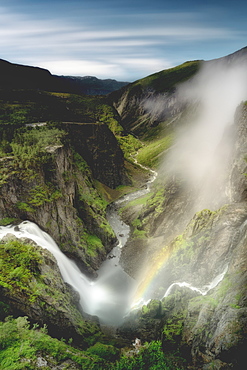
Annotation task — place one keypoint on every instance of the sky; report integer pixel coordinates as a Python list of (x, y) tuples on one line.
[(123, 40)]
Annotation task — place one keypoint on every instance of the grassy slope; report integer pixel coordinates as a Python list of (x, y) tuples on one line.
[(163, 81), (167, 79), (17, 110)]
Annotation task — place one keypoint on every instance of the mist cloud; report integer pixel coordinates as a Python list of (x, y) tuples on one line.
[(205, 139)]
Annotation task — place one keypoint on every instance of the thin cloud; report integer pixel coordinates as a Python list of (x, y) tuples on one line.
[(28, 38), (119, 67)]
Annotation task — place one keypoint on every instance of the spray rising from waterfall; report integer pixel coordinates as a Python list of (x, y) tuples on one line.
[(205, 137), (199, 156), (198, 161)]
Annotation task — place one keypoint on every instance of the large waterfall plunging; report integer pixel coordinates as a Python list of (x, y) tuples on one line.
[(108, 296), (111, 296)]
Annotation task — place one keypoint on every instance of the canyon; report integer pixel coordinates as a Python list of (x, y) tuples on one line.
[(184, 249)]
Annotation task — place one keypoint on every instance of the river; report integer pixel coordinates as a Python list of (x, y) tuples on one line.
[(110, 296)]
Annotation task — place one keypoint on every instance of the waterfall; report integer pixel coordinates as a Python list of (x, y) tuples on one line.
[(106, 297), (69, 271), (204, 290)]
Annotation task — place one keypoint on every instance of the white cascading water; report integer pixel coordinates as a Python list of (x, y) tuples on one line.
[(69, 271), (139, 193), (111, 295), (204, 290), (108, 296)]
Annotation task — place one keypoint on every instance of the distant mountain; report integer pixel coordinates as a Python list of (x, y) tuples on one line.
[(24, 77), (90, 85), (16, 76)]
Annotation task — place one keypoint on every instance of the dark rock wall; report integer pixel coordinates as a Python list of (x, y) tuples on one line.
[(54, 304), (138, 108), (99, 147), (68, 215), (210, 330)]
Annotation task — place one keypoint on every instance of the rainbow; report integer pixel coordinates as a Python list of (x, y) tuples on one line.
[(157, 263)]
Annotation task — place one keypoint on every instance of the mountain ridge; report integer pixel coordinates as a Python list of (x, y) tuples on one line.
[(62, 176), (135, 102), (19, 76)]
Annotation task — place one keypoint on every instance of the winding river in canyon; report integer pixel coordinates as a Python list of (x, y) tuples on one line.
[(110, 296)]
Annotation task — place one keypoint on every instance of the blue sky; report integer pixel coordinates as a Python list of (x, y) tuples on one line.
[(125, 40)]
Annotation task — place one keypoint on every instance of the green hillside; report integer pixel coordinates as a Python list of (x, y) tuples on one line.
[(167, 79)]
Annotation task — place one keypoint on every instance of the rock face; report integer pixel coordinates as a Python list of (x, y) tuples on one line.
[(209, 254), (237, 184), (149, 101), (62, 198), (45, 298), (98, 146), (146, 103)]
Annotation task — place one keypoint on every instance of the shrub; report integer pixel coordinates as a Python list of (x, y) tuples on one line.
[(104, 351), (18, 263), (150, 357), (21, 345)]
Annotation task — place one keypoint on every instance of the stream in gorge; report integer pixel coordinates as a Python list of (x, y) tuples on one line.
[(110, 296)]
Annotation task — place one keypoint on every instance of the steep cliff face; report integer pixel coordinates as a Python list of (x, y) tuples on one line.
[(60, 195), (149, 101), (98, 146), (237, 174), (31, 285), (208, 254), (209, 329)]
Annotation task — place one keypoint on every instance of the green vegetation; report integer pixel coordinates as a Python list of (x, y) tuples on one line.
[(28, 277), (23, 346), (39, 195), (206, 300), (156, 199), (18, 107), (91, 208), (29, 150), (224, 287), (91, 197), (93, 244), (150, 154), (167, 79), (89, 194), (30, 146), (81, 164), (150, 357), (107, 115), (173, 328), (7, 221), (18, 264), (107, 352), (129, 145), (138, 232)]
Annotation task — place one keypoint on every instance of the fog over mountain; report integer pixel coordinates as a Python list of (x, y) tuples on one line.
[(204, 143)]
